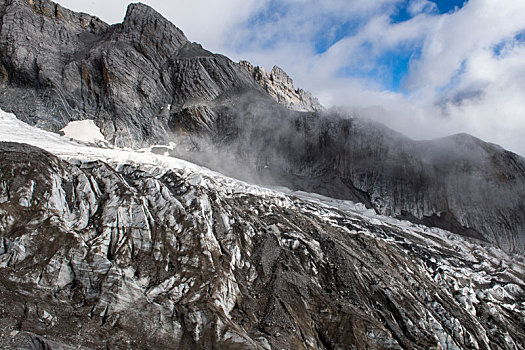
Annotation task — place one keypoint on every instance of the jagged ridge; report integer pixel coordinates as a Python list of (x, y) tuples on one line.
[(280, 86), (135, 79)]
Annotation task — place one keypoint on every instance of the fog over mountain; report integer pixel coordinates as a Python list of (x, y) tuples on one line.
[(425, 68), (215, 204)]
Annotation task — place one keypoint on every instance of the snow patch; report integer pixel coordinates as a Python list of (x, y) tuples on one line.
[(83, 130)]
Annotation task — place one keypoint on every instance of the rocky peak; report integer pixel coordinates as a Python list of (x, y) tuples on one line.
[(145, 25), (57, 66), (279, 76), (280, 86)]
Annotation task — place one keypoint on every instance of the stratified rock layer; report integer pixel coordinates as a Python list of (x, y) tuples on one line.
[(280, 86), (112, 254), (134, 79)]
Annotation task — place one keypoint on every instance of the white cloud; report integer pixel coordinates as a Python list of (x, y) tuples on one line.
[(109, 12), (455, 37), (457, 84), (421, 6)]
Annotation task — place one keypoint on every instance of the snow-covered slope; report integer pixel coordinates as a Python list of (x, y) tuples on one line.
[(83, 130), (108, 247)]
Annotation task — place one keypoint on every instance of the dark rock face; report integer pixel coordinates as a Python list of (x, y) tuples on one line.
[(458, 183), (143, 82), (111, 255), (133, 78)]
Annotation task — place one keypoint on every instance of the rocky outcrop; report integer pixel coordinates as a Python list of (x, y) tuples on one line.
[(280, 86), (111, 254), (135, 79)]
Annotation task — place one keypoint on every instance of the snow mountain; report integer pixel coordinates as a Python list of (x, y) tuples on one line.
[(156, 195), (144, 83)]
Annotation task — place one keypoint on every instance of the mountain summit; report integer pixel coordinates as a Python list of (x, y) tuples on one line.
[(61, 66)]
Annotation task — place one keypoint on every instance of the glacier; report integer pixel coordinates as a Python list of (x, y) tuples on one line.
[(102, 246)]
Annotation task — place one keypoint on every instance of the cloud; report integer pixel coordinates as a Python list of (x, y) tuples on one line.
[(416, 7), (463, 67), (457, 37), (109, 12)]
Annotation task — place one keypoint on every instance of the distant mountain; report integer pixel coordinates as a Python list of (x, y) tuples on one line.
[(144, 83)]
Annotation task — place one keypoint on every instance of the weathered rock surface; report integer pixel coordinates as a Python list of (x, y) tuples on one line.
[(111, 254), (458, 183), (134, 79), (280, 86), (143, 82)]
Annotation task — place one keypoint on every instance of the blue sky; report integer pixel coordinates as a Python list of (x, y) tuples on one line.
[(425, 68), (391, 66), (396, 62)]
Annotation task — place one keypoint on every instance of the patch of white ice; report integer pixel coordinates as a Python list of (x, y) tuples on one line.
[(83, 130)]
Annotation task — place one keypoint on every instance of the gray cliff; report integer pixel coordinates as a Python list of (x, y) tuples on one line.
[(134, 79)]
